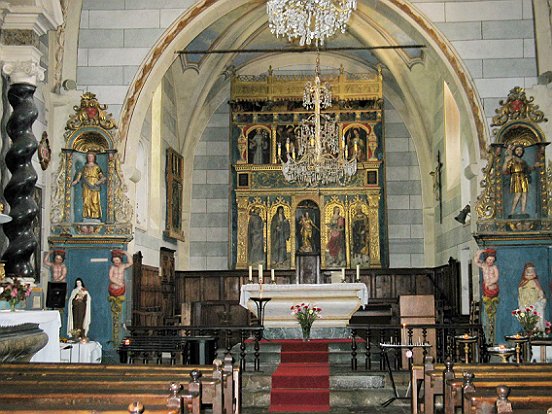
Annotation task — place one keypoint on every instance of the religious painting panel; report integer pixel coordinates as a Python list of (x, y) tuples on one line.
[(258, 144), (256, 233), (279, 234), (334, 233), (359, 231), (175, 184), (307, 227)]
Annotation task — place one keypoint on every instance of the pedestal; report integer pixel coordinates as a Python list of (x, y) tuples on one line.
[(338, 302), (48, 321)]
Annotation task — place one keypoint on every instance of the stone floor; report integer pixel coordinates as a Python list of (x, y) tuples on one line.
[(397, 407)]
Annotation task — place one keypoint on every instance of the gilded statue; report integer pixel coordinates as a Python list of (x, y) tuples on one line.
[(91, 178)]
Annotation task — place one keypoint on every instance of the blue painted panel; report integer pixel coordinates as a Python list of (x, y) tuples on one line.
[(510, 263), (96, 279)]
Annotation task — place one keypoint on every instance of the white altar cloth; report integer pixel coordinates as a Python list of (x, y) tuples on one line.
[(77, 352), (49, 321), (338, 302)]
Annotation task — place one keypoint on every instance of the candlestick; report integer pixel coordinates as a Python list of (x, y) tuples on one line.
[(358, 273), (250, 274), (272, 276), (261, 273)]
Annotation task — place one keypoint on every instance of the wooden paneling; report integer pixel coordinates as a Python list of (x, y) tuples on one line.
[(384, 285)]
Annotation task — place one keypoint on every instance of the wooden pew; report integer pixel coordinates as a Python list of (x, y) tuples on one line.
[(519, 401), (433, 377), (113, 384), (517, 381)]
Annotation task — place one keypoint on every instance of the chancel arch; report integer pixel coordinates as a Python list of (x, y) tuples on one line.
[(411, 79)]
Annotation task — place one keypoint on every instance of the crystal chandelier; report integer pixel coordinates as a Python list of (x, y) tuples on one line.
[(321, 157), (309, 20)]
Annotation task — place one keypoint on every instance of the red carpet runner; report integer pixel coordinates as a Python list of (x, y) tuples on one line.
[(301, 383)]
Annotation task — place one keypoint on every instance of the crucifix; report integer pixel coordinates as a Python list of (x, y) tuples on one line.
[(437, 186)]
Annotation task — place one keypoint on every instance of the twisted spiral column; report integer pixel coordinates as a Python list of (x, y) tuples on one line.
[(19, 190)]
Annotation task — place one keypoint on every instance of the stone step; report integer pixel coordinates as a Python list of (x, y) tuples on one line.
[(347, 389)]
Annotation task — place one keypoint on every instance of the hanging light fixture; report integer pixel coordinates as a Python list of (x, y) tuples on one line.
[(311, 21), (319, 156)]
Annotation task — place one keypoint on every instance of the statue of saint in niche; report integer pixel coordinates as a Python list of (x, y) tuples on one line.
[(258, 147), (91, 178), (520, 176), (356, 144)]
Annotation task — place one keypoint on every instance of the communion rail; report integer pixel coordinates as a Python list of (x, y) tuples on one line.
[(366, 340), (138, 345)]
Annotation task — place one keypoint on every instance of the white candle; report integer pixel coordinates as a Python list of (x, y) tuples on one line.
[(272, 276), (251, 273), (404, 338), (343, 274), (260, 273), (358, 273)]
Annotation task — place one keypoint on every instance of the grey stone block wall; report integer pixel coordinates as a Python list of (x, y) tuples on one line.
[(209, 220), (403, 194)]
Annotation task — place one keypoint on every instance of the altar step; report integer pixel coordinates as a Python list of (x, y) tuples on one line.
[(348, 390)]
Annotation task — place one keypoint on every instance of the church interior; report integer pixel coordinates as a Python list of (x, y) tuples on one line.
[(276, 206)]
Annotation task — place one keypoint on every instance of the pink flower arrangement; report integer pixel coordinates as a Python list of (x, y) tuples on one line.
[(306, 313), (15, 290), (527, 318)]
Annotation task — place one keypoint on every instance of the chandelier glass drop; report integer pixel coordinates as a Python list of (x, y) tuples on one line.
[(320, 157), (311, 21)]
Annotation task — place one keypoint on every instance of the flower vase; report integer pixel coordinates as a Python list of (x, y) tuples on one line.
[(306, 331), (12, 305)]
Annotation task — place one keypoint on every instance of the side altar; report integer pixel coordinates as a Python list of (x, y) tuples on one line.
[(338, 302)]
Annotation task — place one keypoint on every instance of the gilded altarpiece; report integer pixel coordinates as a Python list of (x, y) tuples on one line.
[(275, 220), (514, 218), (91, 216)]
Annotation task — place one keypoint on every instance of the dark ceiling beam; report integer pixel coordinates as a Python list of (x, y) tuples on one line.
[(296, 50)]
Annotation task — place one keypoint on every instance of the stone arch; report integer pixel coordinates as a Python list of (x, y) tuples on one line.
[(201, 15)]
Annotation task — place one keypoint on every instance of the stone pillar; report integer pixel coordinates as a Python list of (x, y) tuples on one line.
[(18, 193)]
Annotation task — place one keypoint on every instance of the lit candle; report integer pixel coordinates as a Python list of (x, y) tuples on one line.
[(358, 273), (260, 273), (466, 336), (250, 273), (272, 276), (343, 274)]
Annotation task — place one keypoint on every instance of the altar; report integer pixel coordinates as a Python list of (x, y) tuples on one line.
[(338, 302), (48, 320)]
